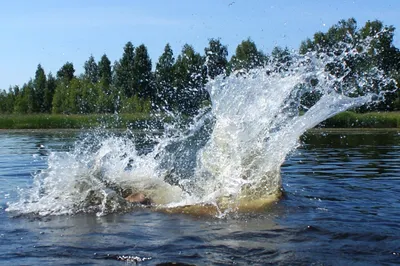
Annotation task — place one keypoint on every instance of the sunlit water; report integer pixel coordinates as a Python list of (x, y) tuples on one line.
[(341, 207)]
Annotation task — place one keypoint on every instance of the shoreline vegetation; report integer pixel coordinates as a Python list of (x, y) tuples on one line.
[(346, 120), (135, 86), (74, 121)]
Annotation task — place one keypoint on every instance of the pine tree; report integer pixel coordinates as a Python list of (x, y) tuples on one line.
[(106, 98), (124, 71), (164, 79), (25, 101), (142, 73), (91, 70), (40, 84), (49, 93), (104, 70), (216, 58), (189, 80)]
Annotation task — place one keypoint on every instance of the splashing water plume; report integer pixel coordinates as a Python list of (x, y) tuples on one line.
[(229, 156)]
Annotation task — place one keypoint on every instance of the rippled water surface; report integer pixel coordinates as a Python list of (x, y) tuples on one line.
[(341, 207)]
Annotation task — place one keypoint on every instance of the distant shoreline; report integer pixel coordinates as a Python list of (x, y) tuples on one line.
[(345, 120), (60, 121), (363, 120)]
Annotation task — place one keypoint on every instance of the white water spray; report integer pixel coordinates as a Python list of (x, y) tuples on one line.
[(231, 152)]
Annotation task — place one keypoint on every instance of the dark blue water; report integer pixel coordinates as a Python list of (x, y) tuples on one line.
[(341, 207)]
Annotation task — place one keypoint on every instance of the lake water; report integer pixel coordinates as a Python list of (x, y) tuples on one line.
[(341, 207)]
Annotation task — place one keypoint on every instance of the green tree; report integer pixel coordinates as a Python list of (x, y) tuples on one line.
[(7, 99), (12, 95), (164, 79), (59, 98), (374, 42), (72, 103), (247, 56), (40, 84), (87, 96), (383, 53), (91, 70), (135, 104), (66, 72), (49, 93), (386, 56), (3, 100), (189, 80), (216, 58), (142, 73), (124, 71), (281, 58), (64, 96), (25, 101), (107, 99), (345, 31), (106, 92), (104, 70)]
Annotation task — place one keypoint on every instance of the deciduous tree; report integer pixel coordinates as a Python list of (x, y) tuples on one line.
[(247, 56)]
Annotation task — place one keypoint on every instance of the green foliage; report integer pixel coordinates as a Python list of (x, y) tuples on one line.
[(66, 73), (345, 31), (87, 97), (165, 78), (40, 84), (25, 100), (247, 56), (129, 85), (107, 98), (107, 93), (281, 57), (135, 105), (59, 121), (142, 73), (3, 99), (104, 71), (381, 54), (216, 58), (190, 77), (49, 93), (7, 100), (91, 70), (367, 120), (125, 71), (59, 97)]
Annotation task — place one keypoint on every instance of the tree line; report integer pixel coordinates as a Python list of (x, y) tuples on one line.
[(130, 85)]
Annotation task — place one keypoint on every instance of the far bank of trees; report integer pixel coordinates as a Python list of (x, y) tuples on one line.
[(176, 83)]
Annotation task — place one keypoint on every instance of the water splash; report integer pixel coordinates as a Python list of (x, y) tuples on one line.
[(231, 153)]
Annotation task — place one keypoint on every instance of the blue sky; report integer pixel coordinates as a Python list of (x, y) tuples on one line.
[(54, 32)]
